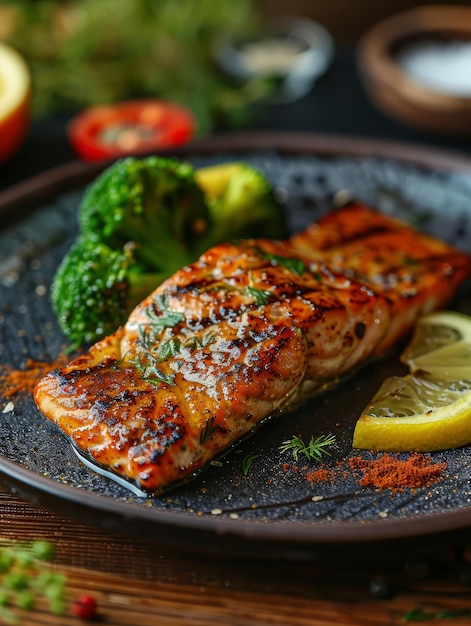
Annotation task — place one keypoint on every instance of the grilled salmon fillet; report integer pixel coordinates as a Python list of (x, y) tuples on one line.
[(414, 272), (247, 331)]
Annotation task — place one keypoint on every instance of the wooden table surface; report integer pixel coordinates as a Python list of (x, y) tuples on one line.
[(137, 583)]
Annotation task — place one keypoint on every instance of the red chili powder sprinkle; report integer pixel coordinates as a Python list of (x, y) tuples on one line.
[(389, 471), (320, 475), (15, 381)]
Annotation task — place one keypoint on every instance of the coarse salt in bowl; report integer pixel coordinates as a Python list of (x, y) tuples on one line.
[(416, 68)]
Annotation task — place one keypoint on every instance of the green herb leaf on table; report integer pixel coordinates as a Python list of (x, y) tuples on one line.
[(25, 576), (417, 614)]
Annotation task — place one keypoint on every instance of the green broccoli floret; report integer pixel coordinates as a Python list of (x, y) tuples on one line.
[(95, 288), (139, 222), (143, 219), (242, 203), (152, 201)]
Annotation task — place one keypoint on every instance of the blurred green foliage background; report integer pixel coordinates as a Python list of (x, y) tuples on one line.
[(84, 52)]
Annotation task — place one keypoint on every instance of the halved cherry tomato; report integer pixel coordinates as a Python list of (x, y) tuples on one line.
[(135, 126)]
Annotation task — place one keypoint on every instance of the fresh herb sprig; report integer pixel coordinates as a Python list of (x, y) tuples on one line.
[(168, 348), (174, 346), (313, 451), (150, 371), (25, 577), (160, 317)]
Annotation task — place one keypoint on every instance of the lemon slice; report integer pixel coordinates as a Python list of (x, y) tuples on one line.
[(441, 345), (429, 409), (413, 414)]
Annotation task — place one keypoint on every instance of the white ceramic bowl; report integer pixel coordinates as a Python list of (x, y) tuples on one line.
[(293, 53)]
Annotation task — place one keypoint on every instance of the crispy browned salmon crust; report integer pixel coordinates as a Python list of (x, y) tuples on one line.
[(243, 333)]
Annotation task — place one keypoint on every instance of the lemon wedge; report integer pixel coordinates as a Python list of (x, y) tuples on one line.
[(429, 409), (441, 345), (15, 96)]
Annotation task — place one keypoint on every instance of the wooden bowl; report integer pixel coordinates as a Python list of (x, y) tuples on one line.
[(395, 91)]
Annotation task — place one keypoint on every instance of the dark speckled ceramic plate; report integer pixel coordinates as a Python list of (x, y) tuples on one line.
[(274, 508)]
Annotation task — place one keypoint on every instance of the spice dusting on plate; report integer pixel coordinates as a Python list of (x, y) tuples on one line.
[(14, 381), (386, 471), (319, 476), (391, 472)]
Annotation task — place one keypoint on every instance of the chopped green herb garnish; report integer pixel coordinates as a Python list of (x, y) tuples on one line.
[(313, 451), (168, 348), (150, 371), (193, 343), (168, 317), (174, 346), (247, 462), (209, 430), (157, 323), (293, 264), (410, 262), (261, 296)]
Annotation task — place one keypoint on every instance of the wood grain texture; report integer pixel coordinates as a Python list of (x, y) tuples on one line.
[(137, 583)]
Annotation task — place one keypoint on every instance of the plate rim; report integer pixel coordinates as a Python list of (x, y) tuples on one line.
[(211, 531), (58, 178)]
